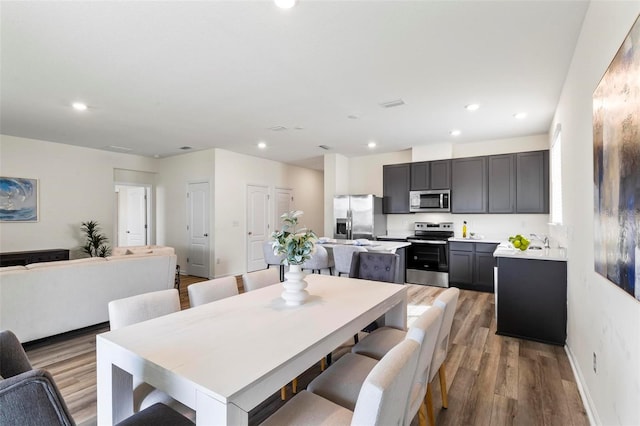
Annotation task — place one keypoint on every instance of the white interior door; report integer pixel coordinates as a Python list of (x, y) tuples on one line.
[(198, 229), (136, 232), (257, 225), (283, 204)]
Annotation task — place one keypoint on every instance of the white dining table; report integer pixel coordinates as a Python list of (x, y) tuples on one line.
[(224, 358)]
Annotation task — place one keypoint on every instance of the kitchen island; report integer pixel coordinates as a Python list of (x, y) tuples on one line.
[(531, 294)]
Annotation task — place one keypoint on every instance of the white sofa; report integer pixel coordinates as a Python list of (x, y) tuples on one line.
[(44, 299)]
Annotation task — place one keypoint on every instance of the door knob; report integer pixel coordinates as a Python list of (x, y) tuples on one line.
[(250, 233), (206, 235), (128, 232)]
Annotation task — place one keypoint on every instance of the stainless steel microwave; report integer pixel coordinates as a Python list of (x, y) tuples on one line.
[(430, 201)]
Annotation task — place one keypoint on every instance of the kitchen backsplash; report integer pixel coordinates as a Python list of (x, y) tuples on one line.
[(494, 226)]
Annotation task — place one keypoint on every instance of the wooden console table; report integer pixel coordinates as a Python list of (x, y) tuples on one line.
[(35, 256)]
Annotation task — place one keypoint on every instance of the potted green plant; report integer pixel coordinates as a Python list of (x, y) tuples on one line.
[(297, 246), (96, 242)]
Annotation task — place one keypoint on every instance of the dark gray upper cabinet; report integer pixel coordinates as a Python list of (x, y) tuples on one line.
[(395, 188), (431, 175), (502, 183), (469, 185), (420, 176), (532, 182), (441, 174)]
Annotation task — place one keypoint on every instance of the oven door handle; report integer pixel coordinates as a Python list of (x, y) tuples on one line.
[(439, 242)]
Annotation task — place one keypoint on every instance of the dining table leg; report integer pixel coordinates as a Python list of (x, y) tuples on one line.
[(114, 389), (210, 411)]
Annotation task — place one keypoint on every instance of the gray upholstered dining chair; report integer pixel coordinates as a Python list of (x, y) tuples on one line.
[(342, 256), (273, 259), (212, 290), (377, 343), (381, 400), (320, 260), (28, 396), (258, 279), (143, 307), (376, 266), (342, 381)]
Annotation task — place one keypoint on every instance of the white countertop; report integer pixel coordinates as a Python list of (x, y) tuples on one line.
[(389, 246), (557, 254), (475, 240)]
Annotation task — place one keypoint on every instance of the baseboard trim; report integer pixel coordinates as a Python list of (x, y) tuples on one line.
[(584, 394)]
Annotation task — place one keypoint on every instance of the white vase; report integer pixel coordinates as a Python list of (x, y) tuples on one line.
[(294, 293)]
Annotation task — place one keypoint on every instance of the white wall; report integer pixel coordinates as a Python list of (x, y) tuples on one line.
[(76, 185), (602, 319), (175, 173), (355, 175), (233, 172)]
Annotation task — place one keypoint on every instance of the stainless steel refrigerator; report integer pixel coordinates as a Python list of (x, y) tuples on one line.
[(358, 216)]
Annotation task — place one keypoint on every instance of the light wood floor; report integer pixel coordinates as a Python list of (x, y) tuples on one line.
[(492, 380)]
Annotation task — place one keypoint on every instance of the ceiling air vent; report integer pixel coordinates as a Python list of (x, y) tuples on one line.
[(119, 148), (392, 104), (185, 148), (326, 148)]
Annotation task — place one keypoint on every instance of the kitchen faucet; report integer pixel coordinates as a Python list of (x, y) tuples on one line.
[(543, 238)]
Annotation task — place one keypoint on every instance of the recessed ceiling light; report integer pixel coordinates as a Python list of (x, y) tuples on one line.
[(185, 148), (472, 107), (285, 4), (352, 117), (262, 145), (455, 132), (520, 115), (79, 106), (371, 144)]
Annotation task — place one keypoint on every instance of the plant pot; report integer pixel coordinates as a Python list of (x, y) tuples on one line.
[(294, 293)]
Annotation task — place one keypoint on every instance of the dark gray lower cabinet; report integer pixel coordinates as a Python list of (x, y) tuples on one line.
[(531, 299), (471, 265)]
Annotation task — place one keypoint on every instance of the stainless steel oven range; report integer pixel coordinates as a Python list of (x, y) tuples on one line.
[(428, 254)]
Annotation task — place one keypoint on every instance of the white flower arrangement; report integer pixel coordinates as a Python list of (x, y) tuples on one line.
[(297, 245)]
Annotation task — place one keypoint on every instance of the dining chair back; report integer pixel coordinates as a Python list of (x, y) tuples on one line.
[(212, 290), (272, 259), (425, 331), (380, 400), (142, 307), (258, 279), (447, 301), (342, 256), (375, 266), (385, 391), (319, 260)]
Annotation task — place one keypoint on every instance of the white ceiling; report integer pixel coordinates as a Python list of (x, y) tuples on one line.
[(161, 75)]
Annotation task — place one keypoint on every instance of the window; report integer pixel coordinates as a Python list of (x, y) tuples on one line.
[(556, 177)]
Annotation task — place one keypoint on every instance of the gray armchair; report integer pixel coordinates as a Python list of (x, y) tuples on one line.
[(28, 396)]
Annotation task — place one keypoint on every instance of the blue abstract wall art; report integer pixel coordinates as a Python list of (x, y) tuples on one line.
[(18, 199), (616, 162)]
